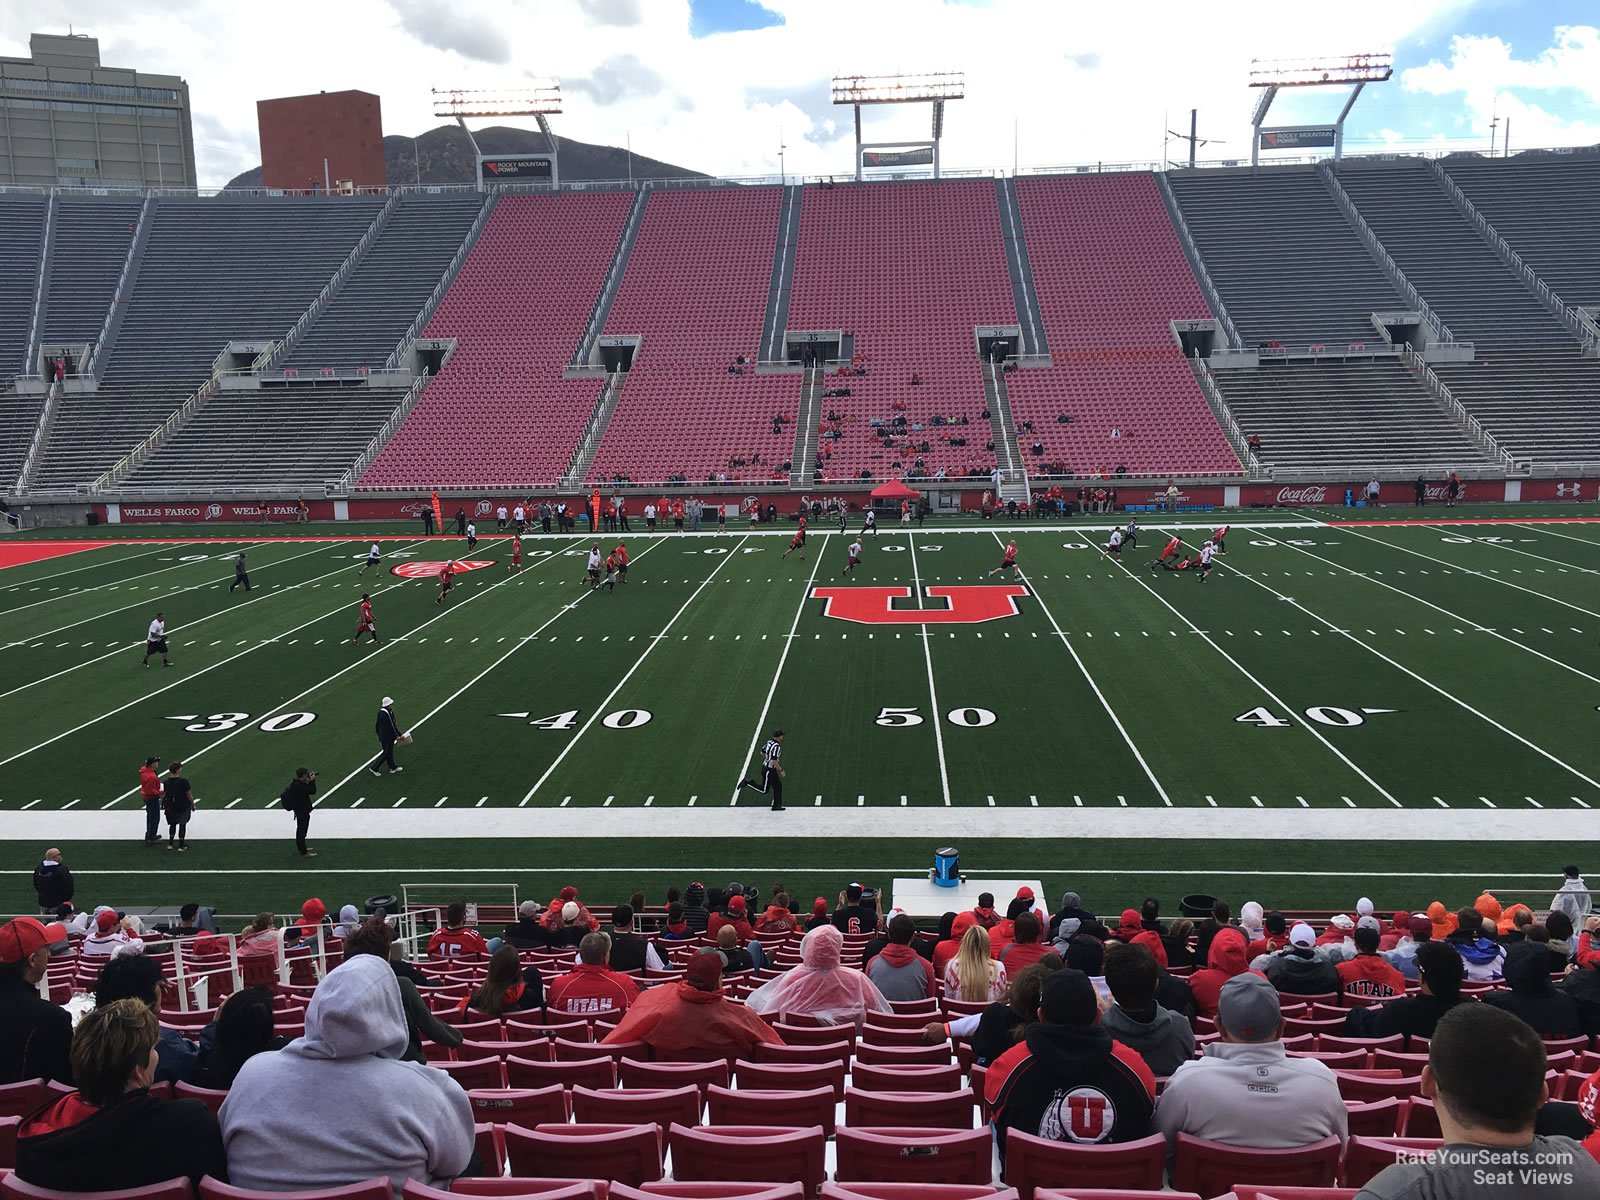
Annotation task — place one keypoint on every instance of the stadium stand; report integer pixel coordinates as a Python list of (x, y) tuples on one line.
[(499, 414), (88, 247), (696, 290), (1111, 276), (1528, 384), (214, 271), (910, 270), (22, 221), (363, 322)]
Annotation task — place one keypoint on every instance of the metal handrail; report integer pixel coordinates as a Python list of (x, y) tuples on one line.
[(1224, 415), (1441, 392), (599, 417), (612, 281), (375, 446), (445, 280), (117, 298), (30, 352), (1198, 263), (52, 393), (1375, 248), (174, 421), (280, 349)]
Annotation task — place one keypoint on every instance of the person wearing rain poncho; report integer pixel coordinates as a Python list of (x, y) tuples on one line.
[(821, 986)]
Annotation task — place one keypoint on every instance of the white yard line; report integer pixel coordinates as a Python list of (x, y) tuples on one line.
[(67, 595), (933, 693), (1447, 531), (654, 642), (1293, 712), (1427, 683), (265, 595), (7, 583), (1094, 687), (1494, 633), (516, 645), (1554, 532), (766, 706)]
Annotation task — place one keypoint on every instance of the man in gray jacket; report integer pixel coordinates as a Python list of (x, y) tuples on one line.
[(1163, 1038), (1247, 1091), (339, 1106), (1298, 968)]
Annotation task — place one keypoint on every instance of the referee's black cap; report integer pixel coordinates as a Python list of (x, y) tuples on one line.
[(777, 733)]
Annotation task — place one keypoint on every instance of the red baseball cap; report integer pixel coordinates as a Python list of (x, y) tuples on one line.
[(1024, 892), (705, 972), (736, 904), (22, 937)]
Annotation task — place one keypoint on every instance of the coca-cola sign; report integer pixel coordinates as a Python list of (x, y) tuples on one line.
[(1305, 494)]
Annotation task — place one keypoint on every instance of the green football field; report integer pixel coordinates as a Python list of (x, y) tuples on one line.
[(1347, 697)]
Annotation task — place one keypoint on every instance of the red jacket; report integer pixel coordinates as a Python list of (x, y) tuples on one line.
[(455, 943), (591, 988), (740, 925), (149, 783), (678, 1017), (1225, 960), (1367, 975), (1023, 954)]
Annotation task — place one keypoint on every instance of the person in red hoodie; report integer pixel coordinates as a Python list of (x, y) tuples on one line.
[(694, 1014), (150, 795), (1369, 976), (777, 918), (1224, 960), (1025, 948), (945, 949), (984, 911), (1390, 937), (737, 916), (312, 914), (592, 988), (1275, 928), (1132, 931)]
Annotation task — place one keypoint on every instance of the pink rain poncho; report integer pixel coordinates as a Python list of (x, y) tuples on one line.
[(821, 986)]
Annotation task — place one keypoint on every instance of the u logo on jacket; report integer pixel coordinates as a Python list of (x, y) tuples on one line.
[(1084, 1114)]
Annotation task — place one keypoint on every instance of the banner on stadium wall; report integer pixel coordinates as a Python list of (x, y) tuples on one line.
[(1302, 137), (1560, 489), (917, 156), (1391, 493), (516, 168), (201, 511)]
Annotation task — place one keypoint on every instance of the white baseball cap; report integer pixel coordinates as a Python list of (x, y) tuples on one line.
[(1302, 935)]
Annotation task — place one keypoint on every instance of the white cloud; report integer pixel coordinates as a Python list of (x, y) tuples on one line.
[(1083, 83)]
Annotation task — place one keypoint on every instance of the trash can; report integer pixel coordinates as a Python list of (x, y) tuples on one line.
[(382, 905), (1197, 905), (946, 867)]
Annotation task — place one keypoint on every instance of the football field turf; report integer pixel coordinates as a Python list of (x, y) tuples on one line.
[(1345, 690)]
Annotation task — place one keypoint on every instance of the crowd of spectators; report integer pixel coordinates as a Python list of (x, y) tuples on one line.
[(1054, 1004)]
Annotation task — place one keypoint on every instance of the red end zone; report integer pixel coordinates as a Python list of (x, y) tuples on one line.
[(16, 554)]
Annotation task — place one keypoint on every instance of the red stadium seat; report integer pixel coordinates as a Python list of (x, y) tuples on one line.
[(490, 1143), (893, 1035), (1380, 1118), (751, 1153), (19, 1099), (906, 1079), (212, 1098), (1418, 1119), (912, 1155), (811, 1035), (917, 1191), (1409, 1065), (518, 1106), (1365, 1157), (527, 1185), (594, 1073), (636, 1074), (921, 1110), (12, 1188), (1034, 1162), (824, 1052), (1108, 1194), (372, 1189), (1245, 1191), (781, 1077), (1334, 1043), (637, 1106), (746, 1106), (1211, 1168), (476, 1073), (528, 1025), (723, 1190), (566, 1050), (628, 1154), (8, 1141), (902, 1056), (1367, 1087)]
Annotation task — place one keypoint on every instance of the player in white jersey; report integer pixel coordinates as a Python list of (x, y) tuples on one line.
[(1114, 546), (373, 555), (155, 640), (870, 524), (855, 557), (1208, 553), (594, 565)]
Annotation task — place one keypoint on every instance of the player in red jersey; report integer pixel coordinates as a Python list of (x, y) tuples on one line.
[(516, 554), (1173, 547), (799, 543), (367, 624), (1009, 562), (447, 579), (621, 553), (1217, 537), (1183, 564), (610, 581)]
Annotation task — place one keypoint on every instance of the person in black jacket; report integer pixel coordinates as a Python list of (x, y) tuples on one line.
[(529, 933), (111, 1133), (243, 1028), (296, 800), (1530, 995), (52, 882), (136, 977), (1442, 972), (695, 912), (35, 1035), (388, 730)]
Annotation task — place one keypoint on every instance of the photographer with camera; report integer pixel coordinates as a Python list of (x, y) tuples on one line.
[(296, 799)]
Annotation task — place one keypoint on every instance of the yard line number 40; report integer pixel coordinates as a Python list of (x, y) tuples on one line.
[(1322, 714)]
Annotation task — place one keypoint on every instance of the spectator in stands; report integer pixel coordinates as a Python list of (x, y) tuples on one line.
[(111, 1133), (737, 915), (259, 939), (1299, 969), (1164, 1039), (1176, 941), (735, 958), (691, 1015), (1025, 948), (819, 914), (113, 934), (1247, 1091), (630, 951), (508, 987), (821, 986), (52, 883), (695, 911), (592, 988), (1529, 994), (376, 938), (1484, 958), (455, 938), (1068, 1049), (1225, 959), (1369, 975), (135, 977), (244, 1028), (1515, 923), (973, 974), (1487, 1104), (985, 912), (1573, 898), (1441, 970), (899, 972), (777, 918), (193, 920), (853, 915), (1559, 926), (339, 1105), (35, 1035), (1072, 906), (676, 927), (1132, 930), (952, 928)]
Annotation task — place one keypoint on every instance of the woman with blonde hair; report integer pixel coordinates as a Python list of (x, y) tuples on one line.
[(973, 975)]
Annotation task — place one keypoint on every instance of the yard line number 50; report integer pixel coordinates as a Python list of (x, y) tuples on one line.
[(904, 718)]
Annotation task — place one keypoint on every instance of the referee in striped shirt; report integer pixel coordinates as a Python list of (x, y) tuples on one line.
[(771, 771)]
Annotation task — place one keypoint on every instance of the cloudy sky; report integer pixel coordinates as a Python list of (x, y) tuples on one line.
[(718, 85)]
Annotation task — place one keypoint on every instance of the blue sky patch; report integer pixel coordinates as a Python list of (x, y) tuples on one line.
[(707, 17)]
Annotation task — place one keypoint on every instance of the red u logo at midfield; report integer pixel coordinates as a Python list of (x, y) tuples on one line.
[(962, 605)]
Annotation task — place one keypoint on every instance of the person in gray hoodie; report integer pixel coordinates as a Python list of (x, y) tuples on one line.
[(899, 971), (1298, 969), (1163, 1038), (339, 1106)]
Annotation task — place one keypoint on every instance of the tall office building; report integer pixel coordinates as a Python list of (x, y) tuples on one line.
[(321, 141), (67, 121)]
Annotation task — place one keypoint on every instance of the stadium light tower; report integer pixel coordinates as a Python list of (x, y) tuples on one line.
[(934, 88), (1353, 70), (539, 101)]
